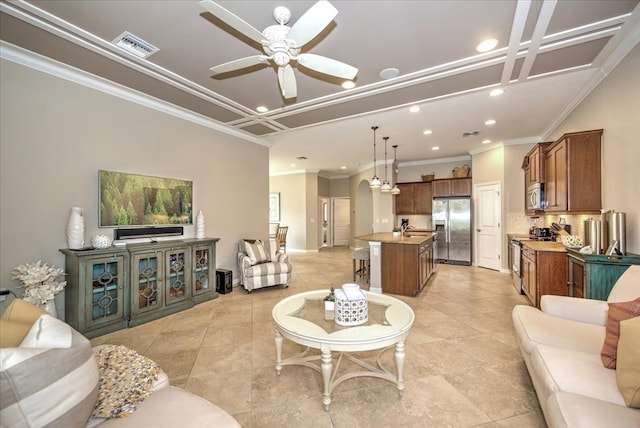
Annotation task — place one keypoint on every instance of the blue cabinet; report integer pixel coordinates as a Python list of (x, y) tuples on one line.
[(592, 276)]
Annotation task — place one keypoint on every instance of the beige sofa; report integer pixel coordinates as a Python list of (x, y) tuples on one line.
[(562, 344), (49, 376)]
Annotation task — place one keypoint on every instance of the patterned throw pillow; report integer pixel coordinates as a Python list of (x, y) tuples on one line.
[(628, 362), (35, 395), (256, 252), (618, 311)]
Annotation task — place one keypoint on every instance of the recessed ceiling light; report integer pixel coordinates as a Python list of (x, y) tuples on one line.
[(487, 45), (496, 92), (490, 122), (293, 164), (343, 167), (414, 109), (435, 148), (486, 141), (427, 132), (389, 73), (262, 109), (348, 84)]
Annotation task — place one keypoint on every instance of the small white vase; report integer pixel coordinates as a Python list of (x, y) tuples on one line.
[(50, 307), (200, 225), (75, 229)]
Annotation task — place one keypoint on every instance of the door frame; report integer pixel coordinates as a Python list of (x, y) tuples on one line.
[(497, 186)]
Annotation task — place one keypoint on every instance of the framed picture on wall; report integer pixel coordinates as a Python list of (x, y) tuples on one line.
[(274, 206)]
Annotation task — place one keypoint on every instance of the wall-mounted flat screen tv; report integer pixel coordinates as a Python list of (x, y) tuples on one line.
[(140, 200)]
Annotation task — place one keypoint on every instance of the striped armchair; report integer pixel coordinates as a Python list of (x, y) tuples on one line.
[(257, 269)]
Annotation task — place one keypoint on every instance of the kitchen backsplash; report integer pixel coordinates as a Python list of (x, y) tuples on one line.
[(520, 223)]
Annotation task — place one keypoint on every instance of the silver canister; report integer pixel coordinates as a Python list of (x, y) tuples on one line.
[(614, 229), (593, 235)]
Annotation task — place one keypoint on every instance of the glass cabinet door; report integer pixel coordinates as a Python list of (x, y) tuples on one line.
[(146, 280), (107, 289), (176, 275), (202, 279)]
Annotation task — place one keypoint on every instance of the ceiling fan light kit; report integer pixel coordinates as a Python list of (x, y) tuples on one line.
[(283, 44)]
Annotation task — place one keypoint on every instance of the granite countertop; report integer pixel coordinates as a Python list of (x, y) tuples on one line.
[(388, 238), (545, 246)]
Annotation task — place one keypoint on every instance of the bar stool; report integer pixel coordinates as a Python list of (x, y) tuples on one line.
[(361, 256)]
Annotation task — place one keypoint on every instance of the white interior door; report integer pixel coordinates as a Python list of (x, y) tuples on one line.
[(341, 221), (488, 232)]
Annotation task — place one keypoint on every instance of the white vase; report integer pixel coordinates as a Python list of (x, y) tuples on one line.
[(200, 225), (75, 229), (50, 307)]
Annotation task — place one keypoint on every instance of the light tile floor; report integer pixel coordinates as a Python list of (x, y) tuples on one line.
[(462, 369)]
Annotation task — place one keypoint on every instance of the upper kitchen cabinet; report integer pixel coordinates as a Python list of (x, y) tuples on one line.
[(572, 173), (414, 198), (533, 165), (451, 187)]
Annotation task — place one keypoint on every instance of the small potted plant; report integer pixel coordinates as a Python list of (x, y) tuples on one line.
[(397, 231), (329, 305)]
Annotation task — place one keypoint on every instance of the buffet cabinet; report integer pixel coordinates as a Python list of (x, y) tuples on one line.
[(592, 276), (119, 287)]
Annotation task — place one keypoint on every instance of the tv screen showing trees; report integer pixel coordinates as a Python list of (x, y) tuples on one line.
[(140, 200)]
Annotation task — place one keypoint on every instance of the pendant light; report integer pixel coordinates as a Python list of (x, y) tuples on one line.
[(396, 189), (375, 181), (386, 187)]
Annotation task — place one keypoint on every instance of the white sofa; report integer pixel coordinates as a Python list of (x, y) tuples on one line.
[(50, 377), (561, 345)]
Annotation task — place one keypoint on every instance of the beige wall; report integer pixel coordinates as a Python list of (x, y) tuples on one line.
[(615, 106), (54, 137), (339, 187)]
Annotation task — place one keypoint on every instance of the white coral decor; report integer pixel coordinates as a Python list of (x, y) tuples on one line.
[(39, 281)]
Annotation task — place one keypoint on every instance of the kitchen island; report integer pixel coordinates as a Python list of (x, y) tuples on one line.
[(400, 264)]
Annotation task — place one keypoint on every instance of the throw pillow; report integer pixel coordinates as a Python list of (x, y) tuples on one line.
[(256, 252), (48, 332), (619, 311), (12, 333), (33, 394), (126, 379), (628, 362), (22, 311)]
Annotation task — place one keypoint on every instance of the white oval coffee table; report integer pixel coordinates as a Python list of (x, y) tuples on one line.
[(300, 318)]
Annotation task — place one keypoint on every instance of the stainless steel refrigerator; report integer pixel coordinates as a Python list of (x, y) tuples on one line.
[(451, 218)]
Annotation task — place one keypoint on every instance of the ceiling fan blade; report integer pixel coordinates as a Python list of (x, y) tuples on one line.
[(312, 22), (329, 66), (238, 64), (287, 81), (232, 20)]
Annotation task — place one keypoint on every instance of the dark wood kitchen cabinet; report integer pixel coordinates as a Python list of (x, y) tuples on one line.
[(534, 171), (414, 198), (572, 172), (451, 187), (406, 268), (543, 272)]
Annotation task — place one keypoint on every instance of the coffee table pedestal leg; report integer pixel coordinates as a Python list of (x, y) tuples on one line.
[(399, 355), (278, 340), (326, 368)]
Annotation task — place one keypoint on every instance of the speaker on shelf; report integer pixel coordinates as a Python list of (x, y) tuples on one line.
[(224, 281)]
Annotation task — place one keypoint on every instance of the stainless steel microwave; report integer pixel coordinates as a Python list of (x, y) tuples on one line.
[(535, 196)]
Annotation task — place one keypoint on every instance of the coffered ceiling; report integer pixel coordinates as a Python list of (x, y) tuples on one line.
[(549, 55)]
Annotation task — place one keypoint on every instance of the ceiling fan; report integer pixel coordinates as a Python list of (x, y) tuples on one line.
[(283, 44)]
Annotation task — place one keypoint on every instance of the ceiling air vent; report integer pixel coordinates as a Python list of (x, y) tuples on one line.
[(469, 134), (134, 45)]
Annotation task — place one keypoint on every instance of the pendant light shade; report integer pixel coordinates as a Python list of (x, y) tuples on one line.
[(395, 190), (386, 187), (375, 181)]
